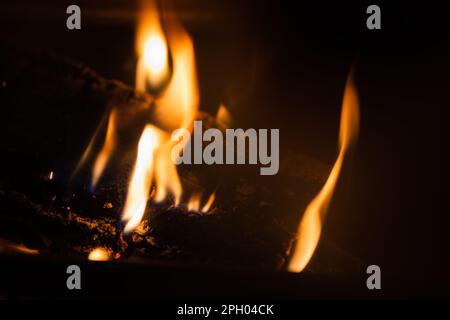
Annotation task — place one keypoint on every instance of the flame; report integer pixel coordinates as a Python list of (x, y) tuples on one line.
[(151, 46), (310, 226), (105, 152), (100, 254), (223, 116), (21, 248), (209, 203), (166, 177), (177, 107), (8, 246), (194, 203), (141, 179), (174, 108)]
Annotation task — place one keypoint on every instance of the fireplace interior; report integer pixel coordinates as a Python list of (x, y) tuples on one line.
[(259, 64)]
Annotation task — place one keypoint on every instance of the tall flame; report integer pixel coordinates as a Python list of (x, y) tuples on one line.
[(141, 179), (310, 226), (151, 47), (175, 108)]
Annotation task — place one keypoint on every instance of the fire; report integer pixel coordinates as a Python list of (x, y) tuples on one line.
[(175, 108), (100, 254), (223, 116), (141, 179), (310, 226), (209, 203), (166, 64), (105, 152), (151, 46), (194, 203)]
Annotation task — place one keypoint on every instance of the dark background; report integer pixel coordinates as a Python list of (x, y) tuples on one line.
[(283, 65)]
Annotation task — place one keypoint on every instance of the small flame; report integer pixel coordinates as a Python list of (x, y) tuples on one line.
[(223, 116), (151, 46), (105, 152), (141, 178), (100, 254), (21, 248), (310, 227), (8, 246), (209, 203), (50, 176), (194, 203)]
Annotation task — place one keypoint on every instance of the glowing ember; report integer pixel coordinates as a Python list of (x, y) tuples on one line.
[(100, 254), (310, 227)]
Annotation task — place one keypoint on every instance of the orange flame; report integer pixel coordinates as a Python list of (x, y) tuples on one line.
[(310, 226), (223, 116), (209, 203), (105, 152), (194, 203), (174, 109), (141, 179), (151, 46)]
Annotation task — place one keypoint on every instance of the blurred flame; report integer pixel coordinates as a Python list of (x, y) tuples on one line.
[(105, 152), (177, 107), (8, 246), (21, 248), (194, 203), (141, 178), (223, 116), (310, 226), (151, 46), (100, 254), (209, 203)]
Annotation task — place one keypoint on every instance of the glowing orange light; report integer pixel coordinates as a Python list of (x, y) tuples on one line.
[(310, 227), (100, 254)]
